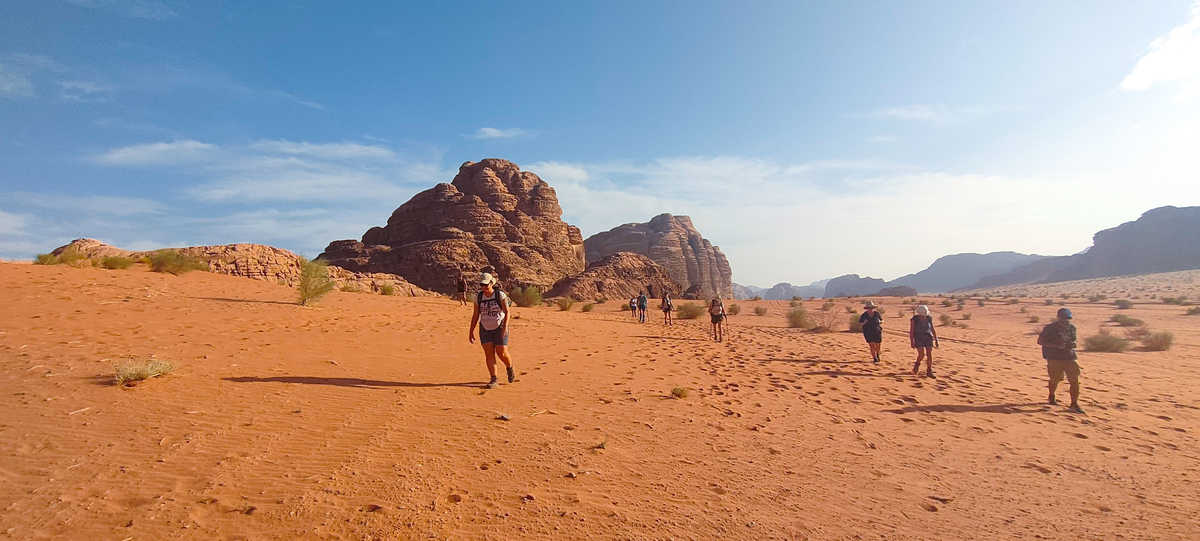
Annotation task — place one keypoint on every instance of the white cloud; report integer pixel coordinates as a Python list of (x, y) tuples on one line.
[(136, 9), (1174, 57), (933, 113), (88, 204), (14, 84), (164, 153), (882, 139), (336, 151), (85, 91), (12, 224), (496, 133)]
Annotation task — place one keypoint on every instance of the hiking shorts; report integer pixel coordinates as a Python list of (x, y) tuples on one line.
[(873, 336), (923, 341), (717, 319), (497, 337), (1058, 369)]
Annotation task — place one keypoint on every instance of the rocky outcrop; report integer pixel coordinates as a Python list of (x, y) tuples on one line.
[(784, 291), (618, 276), (895, 291), (956, 271), (746, 292), (255, 261), (491, 214), (673, 242), (853, 285)]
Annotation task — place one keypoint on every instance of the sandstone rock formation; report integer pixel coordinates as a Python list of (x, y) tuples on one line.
[(251, 261), (853, 285), (491, 214), (673, 242), (619, 276), (957, 271), (896, 291)]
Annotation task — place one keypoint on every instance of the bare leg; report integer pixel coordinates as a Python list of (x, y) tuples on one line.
[(489, 357), (920, 357)]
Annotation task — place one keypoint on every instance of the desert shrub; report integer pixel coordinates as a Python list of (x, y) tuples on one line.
[(45, 259), (387, 289), (116, 262), (135, 371), (689, 311), (1096, 298), (601, 300), (1126, 321), (827, 307), (624, 307), (1049, 302), (855, 325), (1175, 300), (679, 392), (587, 307), (1137, 333), (1065, 296), (1105, 342), (981, 302), (1193, 311), (1034, 319), (733, 309), (1123, 304), (797, 298), (527, 296), (798, 318), (947, 303), (966, 316), (314, 281), (564, 303), (1014, 301), (946, 320), (850, 310), (349, 288), (795, 303), (760, 310), (69, 256), (1023, 310), (756, 298), (1159, 341), (173, 262), (826, 321)]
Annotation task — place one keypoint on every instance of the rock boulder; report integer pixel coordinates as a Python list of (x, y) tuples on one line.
[(675, 244), (618, 276)]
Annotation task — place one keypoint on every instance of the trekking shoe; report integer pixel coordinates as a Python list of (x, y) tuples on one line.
[(1075, 409), (1052, 401), (875, 359), (916, 369), (492, 384), (512, 376), (929, 374)]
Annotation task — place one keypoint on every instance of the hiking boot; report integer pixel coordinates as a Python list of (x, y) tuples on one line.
[(1075, 408), (929, 374), (916, 369), (1052, 401), (492, 384), (512, 376)]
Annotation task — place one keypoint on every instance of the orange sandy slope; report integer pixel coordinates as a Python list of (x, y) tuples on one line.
[(363, 417)]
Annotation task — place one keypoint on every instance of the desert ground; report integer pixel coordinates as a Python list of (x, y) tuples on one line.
[(364, 417)]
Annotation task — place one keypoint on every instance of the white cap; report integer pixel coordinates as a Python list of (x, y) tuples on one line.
[(487, 279)]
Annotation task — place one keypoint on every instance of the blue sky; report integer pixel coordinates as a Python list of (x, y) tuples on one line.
[(806, 139)]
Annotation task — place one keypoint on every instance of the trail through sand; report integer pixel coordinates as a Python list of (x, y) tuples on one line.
[(364, 417)]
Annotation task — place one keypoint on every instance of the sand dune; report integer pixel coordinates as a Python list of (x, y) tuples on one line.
[(363, 417)]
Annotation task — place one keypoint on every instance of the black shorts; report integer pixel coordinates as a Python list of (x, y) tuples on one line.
[(923, 341), (717, 318), (498, 336), (873, 336)]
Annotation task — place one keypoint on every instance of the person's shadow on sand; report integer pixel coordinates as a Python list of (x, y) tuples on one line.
[(1027, 407), (349, 382)]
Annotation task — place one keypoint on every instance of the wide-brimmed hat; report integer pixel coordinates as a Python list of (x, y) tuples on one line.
[(870, 304), (487, 279)]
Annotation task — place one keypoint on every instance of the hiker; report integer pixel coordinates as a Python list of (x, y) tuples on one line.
[(462, 290), (667, 308), (923, 337), (491, 313), (872, 329), (1058, 348), (633, 307), (642, 301), (716, 309)]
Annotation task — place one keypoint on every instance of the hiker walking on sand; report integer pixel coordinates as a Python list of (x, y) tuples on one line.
[(642, 301), (491, 313), (633, 307), (872, 329), (462, 290), (716, 309), (1058, 348), (923, 337), (666, 308)]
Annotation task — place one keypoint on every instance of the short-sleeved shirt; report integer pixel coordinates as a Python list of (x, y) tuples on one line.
[(871, 321), (641, 301), (491, 309), (1058, 341)]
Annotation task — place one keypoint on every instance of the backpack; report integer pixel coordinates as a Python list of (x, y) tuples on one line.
[(716, 308), (1053, 346), (495, 319)]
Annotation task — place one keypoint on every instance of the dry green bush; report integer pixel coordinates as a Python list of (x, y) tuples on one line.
[(760, 310), (1105, 342), (134, 371), (827, 306), (1159, 341), (1034, 319), (1123, 304), (314, 281), (587, 307), (966, 316), (756, 298), (798, 318), (387, 289), (1137, 333), (1126, 321), (349, 288), (689, 311), (855, 324), (1181, 300), (1049, 302), (1193, 311), (116, 262), (946, 320), (564, 303), (527, 296), (173, 262), (734, 309), (679, 392), (1014, 301)]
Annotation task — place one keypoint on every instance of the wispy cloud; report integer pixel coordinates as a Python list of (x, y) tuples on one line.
[(161, 153), (88, 204), (12, 224), (136, 9), (85, 91), (14, 84), (932, 113), (882, 139), (336, 151), (496, 133), (1174, 57)]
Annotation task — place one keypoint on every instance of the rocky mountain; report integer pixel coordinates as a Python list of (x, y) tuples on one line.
[(1161, 240), (745, 292), (673, 242), (853, 285), (784, 291), (491, 214), (956, 271), (255, 261), (895, 291), (619, 276)]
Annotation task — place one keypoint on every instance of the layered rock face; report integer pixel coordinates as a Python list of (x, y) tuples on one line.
[(853, 285), (673, 242), (618, 276), (491, 215), (255, 261)]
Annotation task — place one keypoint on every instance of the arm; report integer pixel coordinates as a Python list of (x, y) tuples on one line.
[(504, 310), (936, 343), (474, 322), (912, 325)]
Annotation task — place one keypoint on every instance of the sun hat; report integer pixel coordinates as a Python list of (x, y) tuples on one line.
[(922, 310), (870, 304), (486, 279), (1064, 313)]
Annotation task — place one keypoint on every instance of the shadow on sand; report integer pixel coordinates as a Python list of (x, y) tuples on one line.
[(1027, 407), (672, 338), (251, 301), (349, 382), (808, 361), (837, 373)]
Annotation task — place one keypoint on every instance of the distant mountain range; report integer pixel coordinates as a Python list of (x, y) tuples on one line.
[(1161, 240)]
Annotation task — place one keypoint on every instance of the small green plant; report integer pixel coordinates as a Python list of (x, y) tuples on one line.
[(1159, 341), (794, 303), (69, 256), (174, 262), (855, 324), (1137, 333), (827, 306), (946, 320), (947, 303), (134, 371), (1034, 319), (1123, 304), (689, 311), (760, 310), (387, 289), (1193, 311), (733, 309), (1105, 342), (1014, 300), (527, 296), (966, 316), (587, 307), (797, 298), (798, 318), (1126, 321), (1049, 302), (314, 281), (1096, 298), (349, 288), (116, 262), (981, 302), (826, 321), (624, 307), (1023, 310), (564, 303), (1181, 300), (679, 392)]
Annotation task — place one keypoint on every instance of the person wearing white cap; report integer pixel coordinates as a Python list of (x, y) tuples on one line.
[(491, 314), (923, 337), (872, 329)]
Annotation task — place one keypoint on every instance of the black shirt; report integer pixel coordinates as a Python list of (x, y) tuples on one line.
[(871, 321)]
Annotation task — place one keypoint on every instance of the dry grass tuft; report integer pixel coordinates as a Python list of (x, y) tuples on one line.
[(132, 372)]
